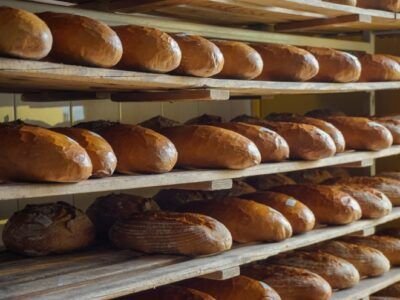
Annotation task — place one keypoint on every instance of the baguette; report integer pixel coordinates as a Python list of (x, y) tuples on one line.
[(266, 182), (389, 5), (376, 67), (170, 292)]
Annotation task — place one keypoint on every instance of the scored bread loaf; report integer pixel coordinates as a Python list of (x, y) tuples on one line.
[(300, 217), (50, 228), (313, 176), (344, 2), (170, 292), (200, 57), (329, 204), (248, 221), (290, 283), (171, 233), (286, 63), (390, 5), (82, 40), (393, 125), (241, 60), (377, 67), (148, 49), (266, 182), (23, 34), (391, 291), (100, 152), (339, 273)]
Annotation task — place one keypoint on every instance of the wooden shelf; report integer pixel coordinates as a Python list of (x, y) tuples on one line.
[(105, 273)]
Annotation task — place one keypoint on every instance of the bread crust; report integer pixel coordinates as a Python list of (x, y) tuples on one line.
[(377, 67)]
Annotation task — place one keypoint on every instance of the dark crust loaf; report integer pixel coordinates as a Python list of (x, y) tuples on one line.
[(157, 123)]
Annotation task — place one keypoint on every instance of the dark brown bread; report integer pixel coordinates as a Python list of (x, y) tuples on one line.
[(23, 35), (171, 233), (50, 228), (390, 5), (390, 291), (313, 176), (392, 124), (265, 182), (83, 41), (376, 67), (170, 292)]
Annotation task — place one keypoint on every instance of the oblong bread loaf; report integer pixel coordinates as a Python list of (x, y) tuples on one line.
[(377, 67)]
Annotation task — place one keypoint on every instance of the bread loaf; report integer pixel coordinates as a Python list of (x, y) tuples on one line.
[(106, 210), (339, 273), (390, 5), (376, 67), (329, 205), (83, 41), (241, 60), (313, 176), (31, 153), (200, 57), (171, 292), (50, 228), (265, 182), (137, 149), (286, 63), (305, 141), (248, 221), (391, 291), (171, 233), (100, 152), (290, 283), (23, 35), (344, 2), (237, 288), (148, 49), (393, 125), (299, 216), (368, 261)]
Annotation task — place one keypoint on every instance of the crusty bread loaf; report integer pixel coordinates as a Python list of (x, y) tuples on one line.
[(376, 67), (171, 233), (368, 261), (241, 60), (23, 35), (50, 228), (344, 2), (200, 57), (313, 176), (100, 152), (286, 63), (170, 292), (329, 205), (300, 217), (339, 273), (390, 5), (31, 153), (391, 291), (392, 124), (83, 41), (237, 288), (248, 221), (305, 141), (138, 149), (148, 49), (265, 182), (106, 210), (290, 283)]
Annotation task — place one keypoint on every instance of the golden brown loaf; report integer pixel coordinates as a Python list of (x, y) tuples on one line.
[(31, 153), (241, 60), (106, 210), (265, 182), (148, 49), (376, 67), (300, 217), (390, 291), (138, 149), (313, 176), (393, 125), (100, 152), (390, 5), (344, 2), (286, 63), (171, 233), (248, 221), (200, 57), (23, 35), (81, 40), (50, 228), (171, 292), (290, 283), (329, 205), (339, 273), (237, 288)]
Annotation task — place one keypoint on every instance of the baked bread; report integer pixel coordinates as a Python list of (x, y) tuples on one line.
[(390, 5), (248, 221), (329, 204), (393, 125), (106, 210), (312, 176), (100, 152), (138, 149), (241, 60), (171, 233), (391, 291), (170, 292), (290, 283), (344, 2), (51, 228), (300, 217), (23, 34), (266, 182), (83, 41), (377, 67), (200, 57), (339, 273), (148, 49), (30, 153), (286, 63)]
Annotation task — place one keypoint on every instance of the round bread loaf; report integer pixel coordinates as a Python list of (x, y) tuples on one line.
[(83, 41), (313, 176), (23, 35), (390, 5), (170, 292), (376, 67), (148, 49), (50, 228), (391, 291), (266, 182), (393, 125), (200, 57), (344, 2)]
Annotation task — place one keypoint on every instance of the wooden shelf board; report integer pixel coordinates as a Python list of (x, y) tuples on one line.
[(105, 273)]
